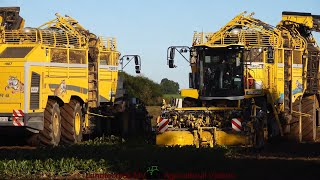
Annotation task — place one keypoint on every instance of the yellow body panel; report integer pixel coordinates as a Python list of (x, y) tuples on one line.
[(185, 138), (175, 138), (62, 80), (108, 74), (107, 83), (11, 93), (306, 20), (192, 93), (230, 139), (206, 108)]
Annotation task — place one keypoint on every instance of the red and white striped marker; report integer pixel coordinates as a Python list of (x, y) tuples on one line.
[(163, 125), (18, 118), (236, 124)]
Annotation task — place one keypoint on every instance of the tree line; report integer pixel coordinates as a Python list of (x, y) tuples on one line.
[(148, 91)]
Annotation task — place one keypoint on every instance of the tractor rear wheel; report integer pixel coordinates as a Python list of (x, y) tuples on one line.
[(308, 107), (259, 139), (294, 124), (124, 117), (72, 122), (51, 133)]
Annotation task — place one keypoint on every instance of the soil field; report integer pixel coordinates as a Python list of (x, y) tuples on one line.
[(112, 157)]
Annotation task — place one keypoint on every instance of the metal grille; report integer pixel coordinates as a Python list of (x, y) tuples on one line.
[(312, 72), (35, 91), (245, 37), (47, 37), (28, 36)]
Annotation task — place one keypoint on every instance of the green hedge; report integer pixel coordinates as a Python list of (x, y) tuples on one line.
[(143, 88)]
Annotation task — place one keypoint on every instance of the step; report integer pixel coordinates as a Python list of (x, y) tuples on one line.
[(93, 100), (318, 133), (93, 72)]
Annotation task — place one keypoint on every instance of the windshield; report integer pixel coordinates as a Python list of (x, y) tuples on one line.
[(222, 72)]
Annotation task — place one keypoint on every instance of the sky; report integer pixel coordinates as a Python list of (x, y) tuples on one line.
[(149, 27)]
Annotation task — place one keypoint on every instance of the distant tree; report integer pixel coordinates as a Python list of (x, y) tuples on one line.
[(143, 88), (169, 86)]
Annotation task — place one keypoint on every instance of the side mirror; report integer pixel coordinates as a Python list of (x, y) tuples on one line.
[(137, 63), (129, 58), (171, 63), (171, 57), (172, 52), (136, 60), (137, 69)]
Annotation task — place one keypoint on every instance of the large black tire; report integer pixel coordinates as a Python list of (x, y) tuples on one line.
[(308, 106), (72, 122), (261, 122), (99, 124), (273, 126), (259, 140), (294, 124), (124, 118), (51, 133), (133, 123)]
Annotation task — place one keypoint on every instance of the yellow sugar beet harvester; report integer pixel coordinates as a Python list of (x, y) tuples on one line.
[(249, 81), (54, 77)]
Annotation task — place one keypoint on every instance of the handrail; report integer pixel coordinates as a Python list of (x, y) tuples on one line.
[(45, 37), (108, 43), (252, 32)]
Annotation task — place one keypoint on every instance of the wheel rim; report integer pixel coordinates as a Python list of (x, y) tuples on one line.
[(77, 123), (55, 124)]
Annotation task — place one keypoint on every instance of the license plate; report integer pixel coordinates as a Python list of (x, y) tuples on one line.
[(4, 119)]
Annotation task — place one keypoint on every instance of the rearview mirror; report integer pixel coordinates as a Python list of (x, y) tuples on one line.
[(138, 69), (172, 53), (171, 63), (136, 60), (129, 58)]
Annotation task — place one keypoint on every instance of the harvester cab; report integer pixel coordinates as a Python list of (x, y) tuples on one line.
[(210, 111), (217, 73)]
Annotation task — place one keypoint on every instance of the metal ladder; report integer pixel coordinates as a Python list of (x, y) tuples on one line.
[(287, 84), (312, 70), (93, 82)]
